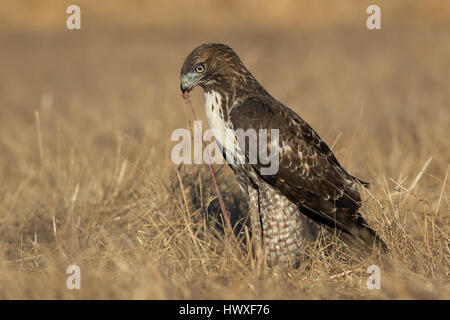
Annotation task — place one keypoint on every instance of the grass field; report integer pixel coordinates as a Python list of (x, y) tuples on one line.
[(85, 123)]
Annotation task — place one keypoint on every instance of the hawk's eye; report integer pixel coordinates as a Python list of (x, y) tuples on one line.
[(200, 68)]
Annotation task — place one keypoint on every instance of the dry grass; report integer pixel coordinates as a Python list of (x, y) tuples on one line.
[(85, 124)]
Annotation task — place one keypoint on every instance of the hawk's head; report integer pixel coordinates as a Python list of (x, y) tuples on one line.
[(211, 65)]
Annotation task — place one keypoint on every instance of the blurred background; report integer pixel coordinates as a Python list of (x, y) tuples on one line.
[(86, 117)]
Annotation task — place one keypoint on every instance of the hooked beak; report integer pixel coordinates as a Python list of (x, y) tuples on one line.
[(188, 82), (184, 88)]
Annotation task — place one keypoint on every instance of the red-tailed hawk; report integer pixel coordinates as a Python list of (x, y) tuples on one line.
[(310, 187)]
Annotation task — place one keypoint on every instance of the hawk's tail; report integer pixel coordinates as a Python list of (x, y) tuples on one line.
[(358, 233)]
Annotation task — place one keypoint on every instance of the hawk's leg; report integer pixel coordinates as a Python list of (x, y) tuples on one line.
[(255, 221), (285, 229)]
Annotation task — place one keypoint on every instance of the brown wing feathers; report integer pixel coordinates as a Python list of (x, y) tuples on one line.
[(309, 174)]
